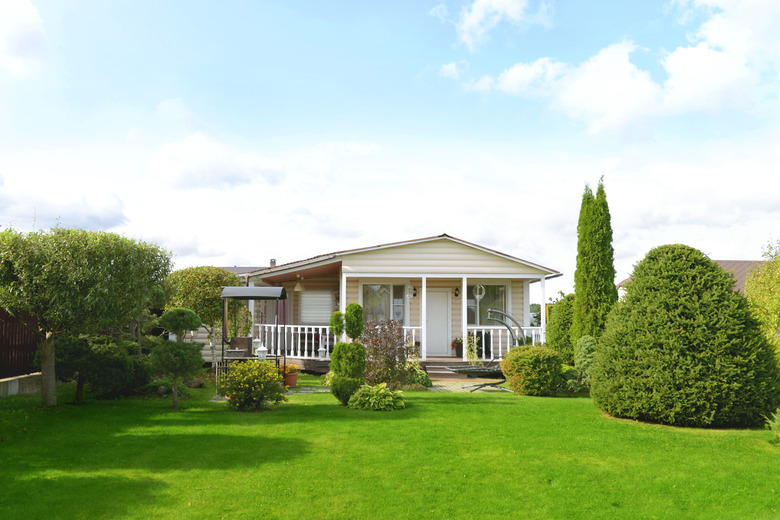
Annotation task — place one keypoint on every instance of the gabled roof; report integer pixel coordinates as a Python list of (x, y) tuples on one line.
[(331, 263)]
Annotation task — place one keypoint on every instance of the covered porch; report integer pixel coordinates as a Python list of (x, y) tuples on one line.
[(440, 289)]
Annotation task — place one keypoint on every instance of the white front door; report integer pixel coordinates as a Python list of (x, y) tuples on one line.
[(438, 323)]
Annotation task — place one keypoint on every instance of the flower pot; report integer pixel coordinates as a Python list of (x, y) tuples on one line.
[(459, 351), (291, 379)]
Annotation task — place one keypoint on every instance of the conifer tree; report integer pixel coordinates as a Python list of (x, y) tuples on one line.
[(594, 277)]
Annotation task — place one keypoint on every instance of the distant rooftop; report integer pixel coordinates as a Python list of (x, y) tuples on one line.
[(237, 269)]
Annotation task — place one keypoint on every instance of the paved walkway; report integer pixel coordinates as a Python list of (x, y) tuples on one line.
[(440, 385)]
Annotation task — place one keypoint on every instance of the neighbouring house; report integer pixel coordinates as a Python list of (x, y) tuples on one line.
[(440, 288), (739, 270)]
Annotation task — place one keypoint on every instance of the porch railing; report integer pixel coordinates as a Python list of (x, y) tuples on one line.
[(495, 342), (305, 341)]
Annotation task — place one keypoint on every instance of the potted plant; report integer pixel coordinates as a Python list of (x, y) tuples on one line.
[(290, 374), (457, 347)]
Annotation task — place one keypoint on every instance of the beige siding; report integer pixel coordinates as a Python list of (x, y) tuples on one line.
[(435, 257), (516, 310)]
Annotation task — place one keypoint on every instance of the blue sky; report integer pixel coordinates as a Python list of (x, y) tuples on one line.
[(234, 132)]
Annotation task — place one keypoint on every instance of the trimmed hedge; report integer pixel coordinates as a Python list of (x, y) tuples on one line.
[(683, 348), (532, 370)]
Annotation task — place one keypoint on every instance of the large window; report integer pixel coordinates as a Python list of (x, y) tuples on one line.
[(480, 298), (383, 302)]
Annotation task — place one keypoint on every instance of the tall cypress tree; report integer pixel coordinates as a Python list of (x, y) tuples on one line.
[(594, 277)]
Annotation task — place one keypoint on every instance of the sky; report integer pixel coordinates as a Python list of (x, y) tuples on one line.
[(234, 132)]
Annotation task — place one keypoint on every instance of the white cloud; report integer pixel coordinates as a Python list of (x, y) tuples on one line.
[(732, 62), (483, 15), (440, 12), (174, 110), (454, 69), (199, 161), (22, 38)]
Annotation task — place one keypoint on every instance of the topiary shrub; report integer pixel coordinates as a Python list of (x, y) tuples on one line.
[(532, 370), (347, 362), (353, 321), (343, 387), (252, 385), (348, 359), (179, 320), (557, 335), (682, 348), (377, 398)]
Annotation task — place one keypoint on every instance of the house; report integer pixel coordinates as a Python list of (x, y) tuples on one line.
[(440, 288)]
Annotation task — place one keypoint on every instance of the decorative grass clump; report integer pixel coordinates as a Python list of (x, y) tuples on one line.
[(682, 348)]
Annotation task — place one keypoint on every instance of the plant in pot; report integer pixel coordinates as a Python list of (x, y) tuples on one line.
[(290, 374)]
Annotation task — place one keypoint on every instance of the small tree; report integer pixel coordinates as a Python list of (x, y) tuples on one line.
[(177, 358), (594, 276), (386, 353), (75, 282), (200, 289), (348, 360), (762, 288)]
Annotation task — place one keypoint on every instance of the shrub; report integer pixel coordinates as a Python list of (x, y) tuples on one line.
[(343, 387), (532, 370), (327, 378), (682, 347), (583, 358), (773, 424), (115, 368), (252, 385), (377, 398), (348, 359), (336, 326), (163, 386), (558, 335), (416, 375), (353, 321), (179, 320), (386, 353), (178, 360)]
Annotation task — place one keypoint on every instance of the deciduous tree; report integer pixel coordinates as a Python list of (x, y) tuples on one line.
[(763, 291), (74, 282)]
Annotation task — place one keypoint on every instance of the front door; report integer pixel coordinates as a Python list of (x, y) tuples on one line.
[(437, 324)]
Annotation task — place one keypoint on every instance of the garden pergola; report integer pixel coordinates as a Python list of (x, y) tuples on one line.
[(277, 294)]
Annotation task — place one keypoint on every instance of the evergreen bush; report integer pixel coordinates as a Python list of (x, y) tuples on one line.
[(348, 359), (343, 387), (583, 358), (532, 370), (682, 347), (557, 336)]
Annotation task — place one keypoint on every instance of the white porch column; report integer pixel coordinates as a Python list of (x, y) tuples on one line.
[(424, 318), (343, 301), (543, 310), (464, 315)]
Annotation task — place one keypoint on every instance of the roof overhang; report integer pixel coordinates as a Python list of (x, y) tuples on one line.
[(254, 293)]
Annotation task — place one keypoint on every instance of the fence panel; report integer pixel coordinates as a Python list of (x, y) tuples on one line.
[(18, 346)]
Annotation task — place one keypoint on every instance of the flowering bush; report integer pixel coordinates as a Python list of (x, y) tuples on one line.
[(288, 369), (252, 385)]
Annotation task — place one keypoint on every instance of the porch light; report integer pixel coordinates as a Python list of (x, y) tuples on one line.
[(457, 292), (414, 292), (298, 286)]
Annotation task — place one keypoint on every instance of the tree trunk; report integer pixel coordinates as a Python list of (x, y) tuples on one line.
[(48, 379), (79, 388), (175, 395)]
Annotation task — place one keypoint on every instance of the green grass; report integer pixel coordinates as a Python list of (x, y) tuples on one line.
[(490, 455)]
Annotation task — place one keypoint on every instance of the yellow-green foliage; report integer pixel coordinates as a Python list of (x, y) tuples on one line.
[(763, 291), (377, 398), (252, 385)]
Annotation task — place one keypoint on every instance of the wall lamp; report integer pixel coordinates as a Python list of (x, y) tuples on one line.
[(457, 292)]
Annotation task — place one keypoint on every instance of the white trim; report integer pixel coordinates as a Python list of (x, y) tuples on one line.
[(464, 314), (543, 314), (423, 319), (476, 276)]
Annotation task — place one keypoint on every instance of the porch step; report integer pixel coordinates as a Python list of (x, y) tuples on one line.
[(436, 368)]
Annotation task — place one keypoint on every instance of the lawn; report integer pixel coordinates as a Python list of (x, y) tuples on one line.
[(489, 455)]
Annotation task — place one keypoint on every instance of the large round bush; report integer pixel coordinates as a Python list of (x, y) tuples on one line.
[(682, 347), (532, 370)]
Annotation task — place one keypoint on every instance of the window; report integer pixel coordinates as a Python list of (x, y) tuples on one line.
[(315, 307), (493, 297), (383, 302)]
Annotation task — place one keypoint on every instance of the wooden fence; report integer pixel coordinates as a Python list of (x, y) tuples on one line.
[(18, 345)]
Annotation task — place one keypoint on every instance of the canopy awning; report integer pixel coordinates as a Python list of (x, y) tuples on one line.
[(254, 293)]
